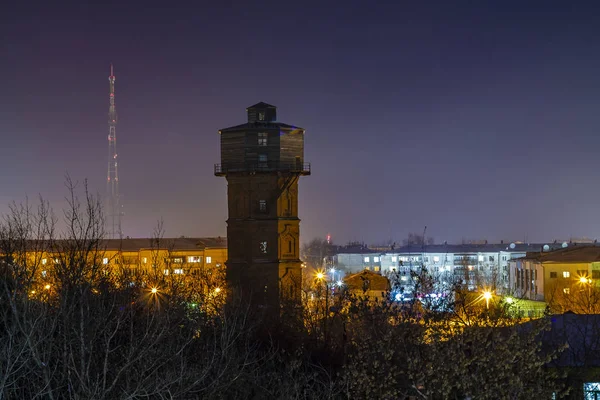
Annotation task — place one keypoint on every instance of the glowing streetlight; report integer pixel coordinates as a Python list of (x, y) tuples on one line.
[(47, 287), (154, 290), (487, 296), (218, 290), (320, 275), (583, 279), (340, 283), (509, 300)]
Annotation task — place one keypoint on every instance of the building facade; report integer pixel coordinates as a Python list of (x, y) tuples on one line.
[(474, 266), (567, 279), (172, 255)]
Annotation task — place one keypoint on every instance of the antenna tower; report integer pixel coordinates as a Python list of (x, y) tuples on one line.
[(112, 184)]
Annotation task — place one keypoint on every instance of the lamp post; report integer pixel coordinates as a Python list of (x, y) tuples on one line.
[(588, 282), (321, 277), (487, 296)]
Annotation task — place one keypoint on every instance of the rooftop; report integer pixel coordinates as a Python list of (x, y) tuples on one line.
[(575, 254), (261, 104), (457, 248), (137, 244), (260, 125)]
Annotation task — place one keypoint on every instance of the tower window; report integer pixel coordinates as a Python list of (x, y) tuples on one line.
[(263, 247), (261, 115), (262, 206), (262, 138), (262, 160), (289, 246)]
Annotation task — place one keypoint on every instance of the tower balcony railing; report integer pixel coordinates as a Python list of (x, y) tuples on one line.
[(267, 166)]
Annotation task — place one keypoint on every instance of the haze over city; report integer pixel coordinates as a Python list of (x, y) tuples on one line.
[(477, 120)]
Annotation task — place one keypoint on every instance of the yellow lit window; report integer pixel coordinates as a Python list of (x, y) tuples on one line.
[(566, 274)]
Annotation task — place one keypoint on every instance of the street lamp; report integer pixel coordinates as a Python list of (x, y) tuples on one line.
[(587, 281), (487, 296), (154, 290)]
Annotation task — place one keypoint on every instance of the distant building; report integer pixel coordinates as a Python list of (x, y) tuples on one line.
[(473, 265), (179, 256), (567, 279), (368, 284)]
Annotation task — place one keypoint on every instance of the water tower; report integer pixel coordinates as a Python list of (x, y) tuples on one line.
[(262, 161)]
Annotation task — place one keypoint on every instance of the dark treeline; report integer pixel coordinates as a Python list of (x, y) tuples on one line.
[(85, 332)]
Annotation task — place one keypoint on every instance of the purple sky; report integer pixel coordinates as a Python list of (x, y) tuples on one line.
[(479, 121)]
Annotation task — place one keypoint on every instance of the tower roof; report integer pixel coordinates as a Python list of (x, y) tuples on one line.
[(261, 125), (261, 105)]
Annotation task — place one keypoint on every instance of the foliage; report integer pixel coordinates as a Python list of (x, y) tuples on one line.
[(84, 331)]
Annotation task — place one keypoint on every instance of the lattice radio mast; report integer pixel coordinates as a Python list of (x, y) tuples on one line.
[(112, 184)]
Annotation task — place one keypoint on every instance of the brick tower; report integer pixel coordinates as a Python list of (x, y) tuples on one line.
[(262, 161)]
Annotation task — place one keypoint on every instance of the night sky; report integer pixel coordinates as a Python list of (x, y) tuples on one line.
[(478, 119)]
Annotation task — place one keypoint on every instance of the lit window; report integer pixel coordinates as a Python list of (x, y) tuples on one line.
[(480, 258), (375, 259), (394, 259), (261, 116), (178, 260), (208, 260), (567, 290), (366, 259), (105, 261), (263, 247), (144, 260), (566, 274), (166, 272), (376, 268), (262, 138), (44, 273), (178, 271), (56, 261), (262, 159), (194, 259), (368, 268), (44, 261), (436, 259), (262, 205)]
